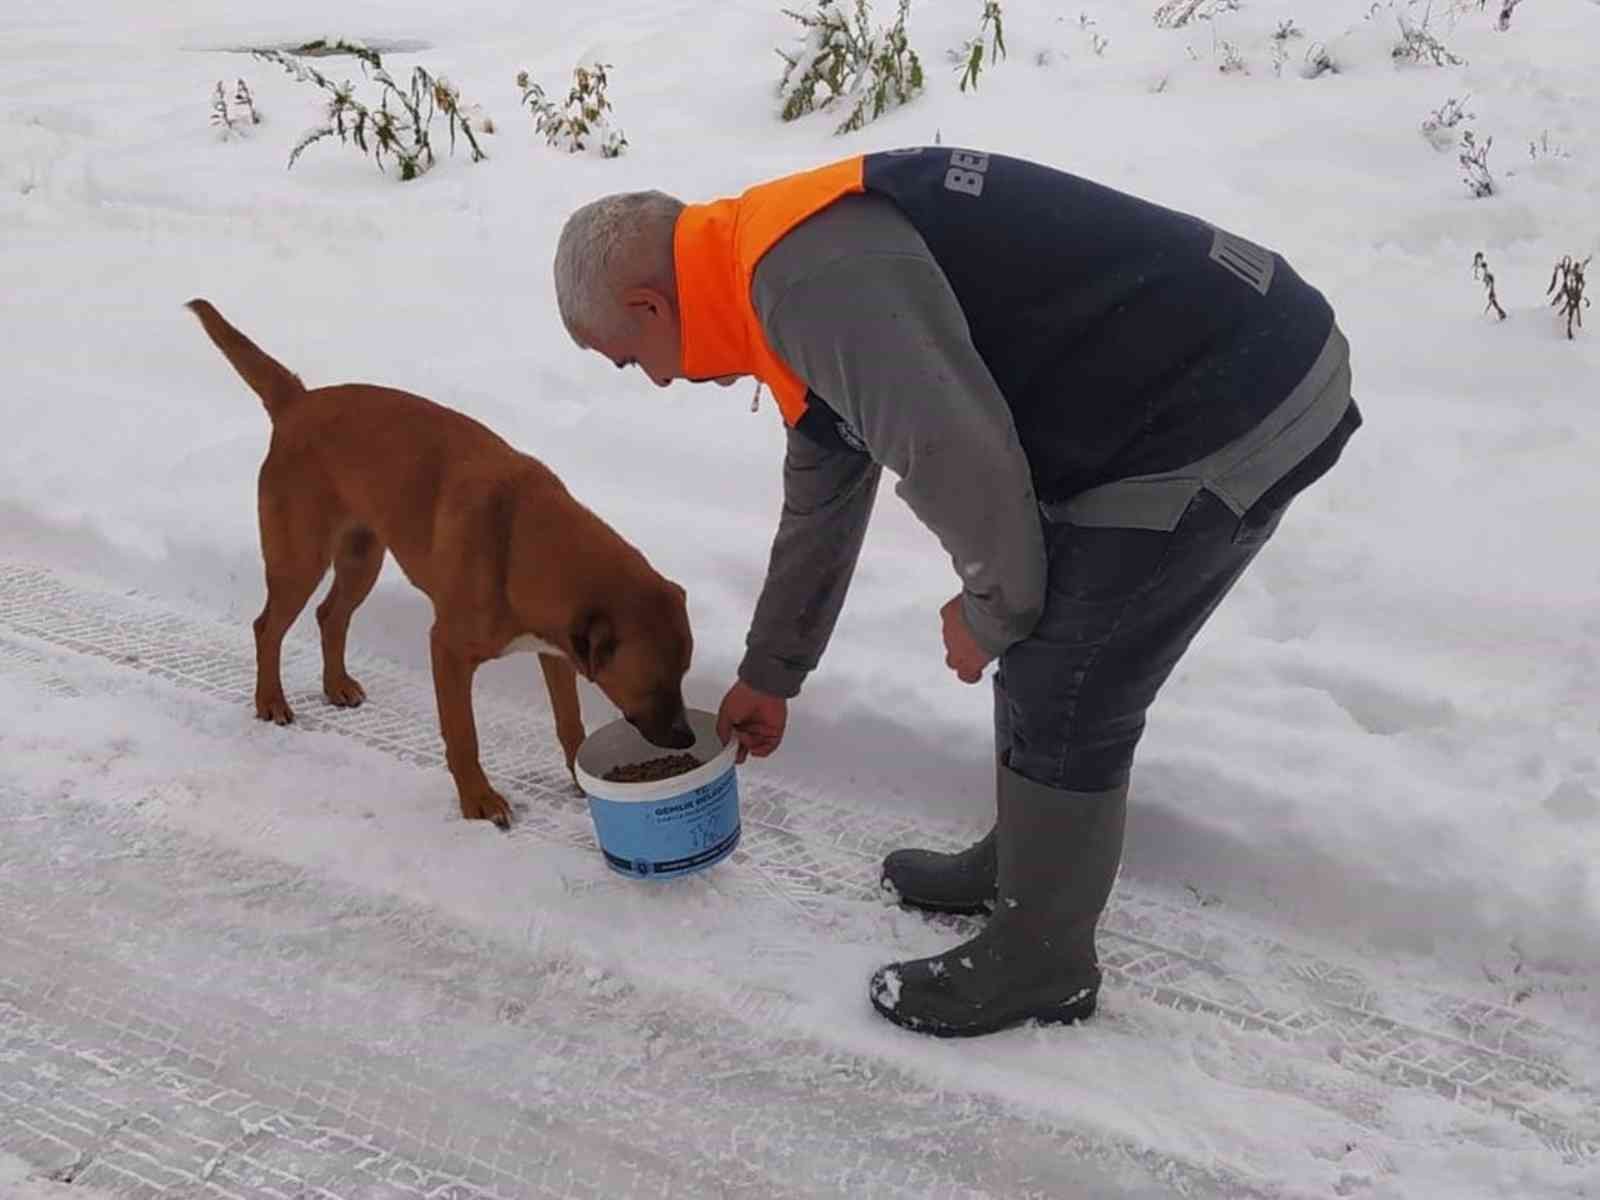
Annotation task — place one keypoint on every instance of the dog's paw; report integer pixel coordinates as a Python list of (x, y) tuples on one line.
[(487, 805), (275, 709), (344, 692)]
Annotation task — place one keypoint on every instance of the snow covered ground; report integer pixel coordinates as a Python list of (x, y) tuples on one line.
[(19, 1181), (1353, 950)]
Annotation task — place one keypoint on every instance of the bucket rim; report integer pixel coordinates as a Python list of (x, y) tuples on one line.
[(653, 791)]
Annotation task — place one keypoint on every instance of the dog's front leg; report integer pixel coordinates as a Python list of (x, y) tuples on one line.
[(561, 681), (452, 684)]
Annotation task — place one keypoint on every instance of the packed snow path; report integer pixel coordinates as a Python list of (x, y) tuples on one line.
[(180, 1017)]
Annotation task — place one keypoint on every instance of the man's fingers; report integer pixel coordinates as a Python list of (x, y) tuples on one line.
[(755, 741), (964, 672)]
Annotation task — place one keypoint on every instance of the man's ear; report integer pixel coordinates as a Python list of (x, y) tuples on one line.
[(592, 643), (652, 302)]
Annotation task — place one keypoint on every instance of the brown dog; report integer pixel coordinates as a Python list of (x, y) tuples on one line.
[(510, 560)]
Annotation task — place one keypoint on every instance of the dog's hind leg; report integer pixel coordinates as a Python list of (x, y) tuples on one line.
[(295, 549), (357, 559)]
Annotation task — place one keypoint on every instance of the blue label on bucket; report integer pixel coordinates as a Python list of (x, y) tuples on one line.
[(673, 836)]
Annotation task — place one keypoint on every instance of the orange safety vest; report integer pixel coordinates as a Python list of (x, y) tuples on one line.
[(716, 248)]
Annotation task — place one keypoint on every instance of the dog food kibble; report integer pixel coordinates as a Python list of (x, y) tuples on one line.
[(652, 769)]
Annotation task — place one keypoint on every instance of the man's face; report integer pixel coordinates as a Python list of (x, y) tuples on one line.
[(650, 339)]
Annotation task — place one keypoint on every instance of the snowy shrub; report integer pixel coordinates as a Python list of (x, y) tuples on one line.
[(323, 47), (838, 60), (586, 114), (1545, 148), (1507, 7), (1474, 159), (1229, 60), (1480, 270), (1439, 125), (1418, 45), (1566, 285), (1318, 62), (230, 124), (243, 98), (1174, 14), (402, 132), (1086, 26), (831, 56), (970, 56), (1286, 32), (219, 111)]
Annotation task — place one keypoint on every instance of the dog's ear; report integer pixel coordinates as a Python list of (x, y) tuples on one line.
[(593, 641)]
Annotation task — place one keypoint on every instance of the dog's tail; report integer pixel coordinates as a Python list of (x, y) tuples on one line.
[(268, 378)]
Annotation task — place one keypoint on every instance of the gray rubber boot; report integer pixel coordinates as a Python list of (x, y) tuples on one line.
[(1058, 854), (963, 882)]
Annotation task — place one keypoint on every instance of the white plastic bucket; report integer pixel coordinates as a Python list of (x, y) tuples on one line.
[(667, 827)]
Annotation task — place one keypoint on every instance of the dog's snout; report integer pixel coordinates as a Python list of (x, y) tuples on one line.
[(680, 733), (667, 726)]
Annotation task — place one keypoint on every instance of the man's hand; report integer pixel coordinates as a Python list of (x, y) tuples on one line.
[(755, 718), (962, 654)]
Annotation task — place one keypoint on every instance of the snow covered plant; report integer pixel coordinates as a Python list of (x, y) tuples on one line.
[(1229, 60), (1418, 45), (1545, 148), (1474, 159), (1318, 62), (1175, 14), (840, 59), (584, 118), (402, 132), (1507, 7), (970, 56), (233, 124), (1097, 43), (325, 47), (1480, 271), (1439, 127), (1566, 285)]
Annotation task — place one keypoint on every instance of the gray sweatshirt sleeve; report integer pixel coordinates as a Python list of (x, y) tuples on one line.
[(827, 498), (854, 302)]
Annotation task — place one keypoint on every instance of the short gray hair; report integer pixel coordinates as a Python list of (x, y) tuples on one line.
[(611, 244)]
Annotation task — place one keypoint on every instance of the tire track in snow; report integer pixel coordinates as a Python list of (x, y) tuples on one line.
[(810, 855), (179, 1020)]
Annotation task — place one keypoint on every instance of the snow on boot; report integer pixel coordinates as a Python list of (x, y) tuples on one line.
[(1058, 852)]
